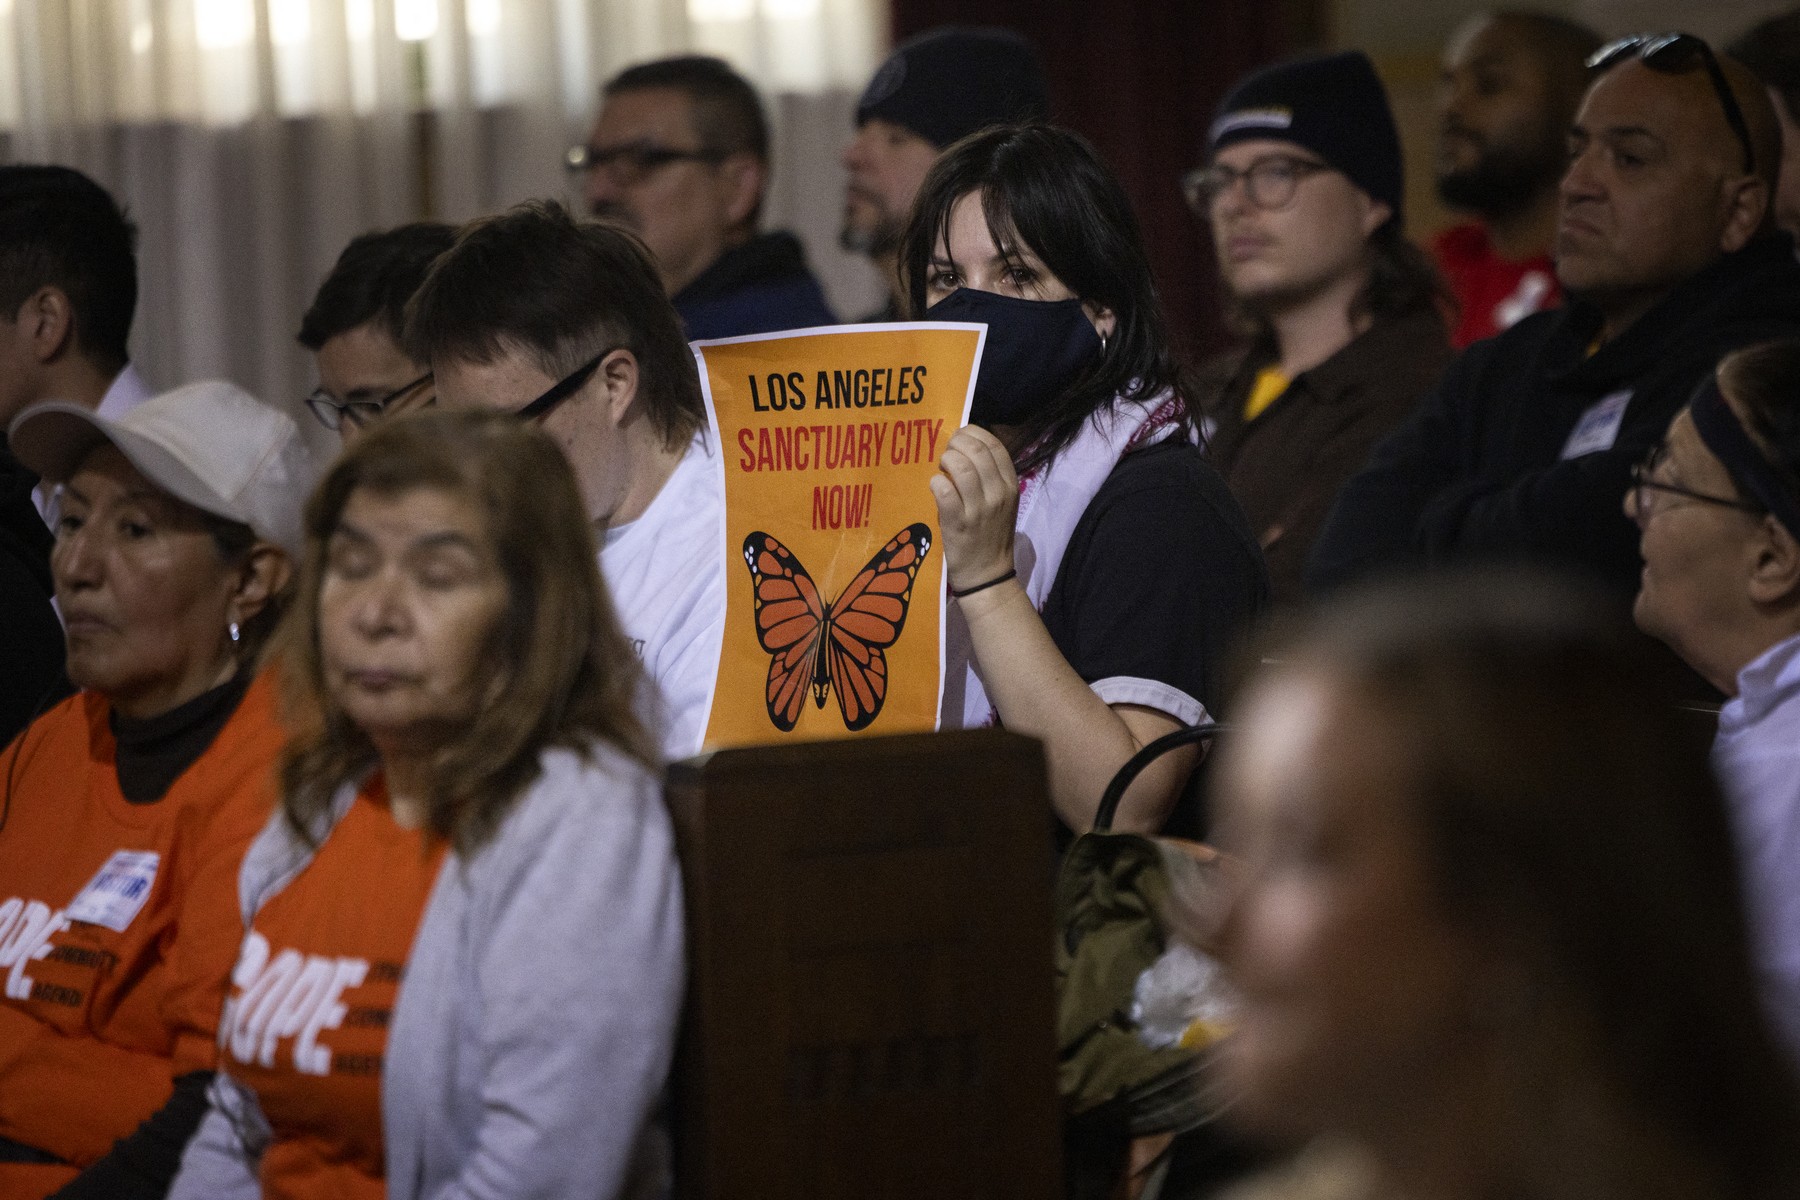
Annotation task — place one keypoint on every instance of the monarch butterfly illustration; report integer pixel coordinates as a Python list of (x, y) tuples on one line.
[(835, 647)]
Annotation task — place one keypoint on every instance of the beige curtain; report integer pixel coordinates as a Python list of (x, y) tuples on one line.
[(250, 139)]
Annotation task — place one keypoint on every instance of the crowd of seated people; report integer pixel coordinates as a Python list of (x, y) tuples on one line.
[(333, 860)]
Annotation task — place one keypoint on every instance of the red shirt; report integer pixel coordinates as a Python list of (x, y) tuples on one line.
[(118, 924), (314, 990), (1491, 292)]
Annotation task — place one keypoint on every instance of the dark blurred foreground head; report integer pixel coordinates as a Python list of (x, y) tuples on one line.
[(1490, 929)]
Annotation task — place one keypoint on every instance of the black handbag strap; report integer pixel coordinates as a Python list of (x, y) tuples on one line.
[(1115, 791)]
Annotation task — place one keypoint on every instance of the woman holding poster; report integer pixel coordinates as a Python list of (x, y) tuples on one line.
[(1100, 567)]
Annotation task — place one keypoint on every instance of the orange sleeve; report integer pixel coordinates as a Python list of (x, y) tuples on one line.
[(74, 1097)]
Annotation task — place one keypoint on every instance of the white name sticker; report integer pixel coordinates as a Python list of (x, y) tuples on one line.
[(1598, 428), (114, 897)]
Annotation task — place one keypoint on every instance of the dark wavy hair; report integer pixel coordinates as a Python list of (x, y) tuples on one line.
[(1046, 188), (372, 280), (1573, 825), (564, 673), (558, 290)]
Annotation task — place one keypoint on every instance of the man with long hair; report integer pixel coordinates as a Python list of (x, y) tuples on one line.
[(1303, 196)]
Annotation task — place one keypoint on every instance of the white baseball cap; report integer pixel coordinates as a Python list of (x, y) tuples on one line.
[(211, 444)]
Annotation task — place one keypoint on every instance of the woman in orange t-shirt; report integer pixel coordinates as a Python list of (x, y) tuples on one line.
[(125, 810), (463, 961)]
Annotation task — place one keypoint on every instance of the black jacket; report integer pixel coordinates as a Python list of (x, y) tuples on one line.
[(1477, 471), (31, 637)]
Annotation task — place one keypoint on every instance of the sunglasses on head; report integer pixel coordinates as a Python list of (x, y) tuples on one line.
[(1675, 54)]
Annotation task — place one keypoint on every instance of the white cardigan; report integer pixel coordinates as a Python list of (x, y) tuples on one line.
[(532, 1035)]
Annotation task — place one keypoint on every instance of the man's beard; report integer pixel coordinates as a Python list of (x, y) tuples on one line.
[(1503, 180), (876, 241)]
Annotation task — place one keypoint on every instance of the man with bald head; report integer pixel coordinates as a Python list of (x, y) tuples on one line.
[(1510, 85), (1666, 248)]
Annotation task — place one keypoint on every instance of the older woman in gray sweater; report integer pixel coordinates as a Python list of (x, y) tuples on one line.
[(463, 956)]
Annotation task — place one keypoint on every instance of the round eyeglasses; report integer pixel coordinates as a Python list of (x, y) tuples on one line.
[(1270, 182)]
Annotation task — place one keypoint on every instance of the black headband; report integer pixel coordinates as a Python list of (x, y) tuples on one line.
[(1724, 435)]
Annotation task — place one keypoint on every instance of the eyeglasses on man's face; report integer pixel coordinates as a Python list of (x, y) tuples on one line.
[(1675, 54), (563, 388), (1270, 182), (632, 162), (333, 413), (1644, 485)]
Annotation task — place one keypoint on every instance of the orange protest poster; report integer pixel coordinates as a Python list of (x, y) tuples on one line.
[(834, 620)]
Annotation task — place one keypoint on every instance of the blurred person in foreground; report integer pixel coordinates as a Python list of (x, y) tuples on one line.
[(469, 803), (1099, 566), (1488, 933), (562, 323), (932, 90), (1668, 252), (680, 155), (127, 809), (1717, 504), (1771, 48), (355, 324), (1303, 194), (1511, 82)]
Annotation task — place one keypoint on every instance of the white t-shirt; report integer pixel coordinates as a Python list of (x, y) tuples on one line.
[(666, 574)]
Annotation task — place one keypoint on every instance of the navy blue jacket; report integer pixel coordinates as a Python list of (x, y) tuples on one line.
[(758, 287)]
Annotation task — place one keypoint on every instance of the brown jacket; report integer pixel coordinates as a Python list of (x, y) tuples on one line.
[(1286, 466)]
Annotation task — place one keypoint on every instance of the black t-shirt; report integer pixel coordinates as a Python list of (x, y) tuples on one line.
[(1161, 576)]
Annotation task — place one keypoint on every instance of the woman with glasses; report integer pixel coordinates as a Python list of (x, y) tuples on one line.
[(462, 959), (1342, 311), (1718, 509), (1487, 934), (355, 323), (1100, 568)]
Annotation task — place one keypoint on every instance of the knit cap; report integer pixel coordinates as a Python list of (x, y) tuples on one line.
[(948, 83), (1333, 105)]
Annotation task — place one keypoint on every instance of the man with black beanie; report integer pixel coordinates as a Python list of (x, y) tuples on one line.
[(1303, 194), (934, 89)]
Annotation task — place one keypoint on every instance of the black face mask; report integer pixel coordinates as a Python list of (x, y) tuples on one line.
[(1033, 349)]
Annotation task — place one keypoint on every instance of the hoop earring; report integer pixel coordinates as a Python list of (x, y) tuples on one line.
[(235, 632), (1103, 344)]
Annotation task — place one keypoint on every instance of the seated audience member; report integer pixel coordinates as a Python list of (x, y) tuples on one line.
[(561, 322), (1666, 248), (1511, 82), (680, 155), (1100, 567), (68, 287), (468, 803), (1303, 192), (1487, 932), (932, 90), (129, 806), (1718, 504), (355, 324), (1771, 49)]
